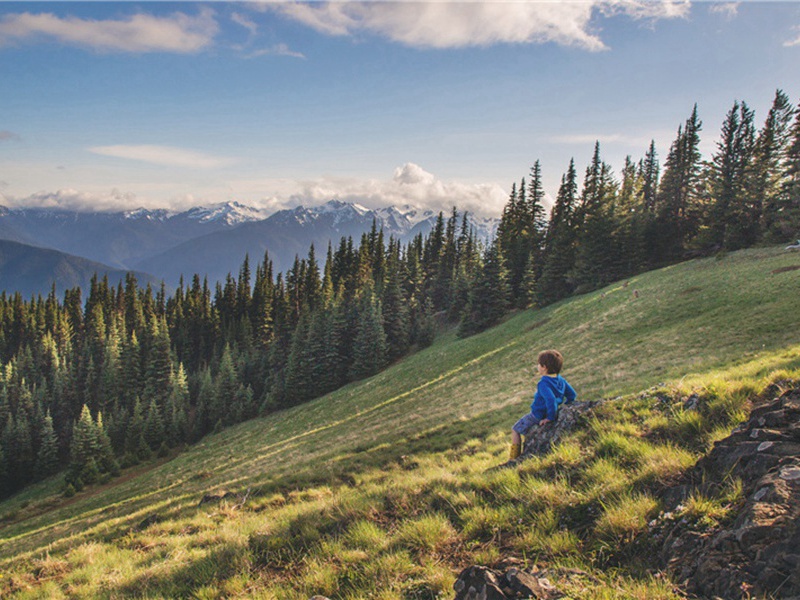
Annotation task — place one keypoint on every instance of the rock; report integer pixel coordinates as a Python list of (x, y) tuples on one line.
[(755, 555), (482, 583), (147, 522)]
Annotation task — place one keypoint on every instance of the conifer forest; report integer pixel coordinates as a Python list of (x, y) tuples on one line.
[(105, 378)]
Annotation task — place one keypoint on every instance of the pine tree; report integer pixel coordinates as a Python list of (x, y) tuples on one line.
[(789, 222), (560, 242), (677, 216), (395, 308), (598, 255), (369, 354), (47, 455), (772, 171), (153, 426), (489, 298), (734, 213)]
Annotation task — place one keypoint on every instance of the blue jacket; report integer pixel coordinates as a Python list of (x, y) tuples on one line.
[(550, 393)]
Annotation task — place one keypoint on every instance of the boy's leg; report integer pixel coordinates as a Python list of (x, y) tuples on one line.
[(516, 445)]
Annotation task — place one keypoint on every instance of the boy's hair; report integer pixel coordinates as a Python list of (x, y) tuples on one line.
[(552, 361)]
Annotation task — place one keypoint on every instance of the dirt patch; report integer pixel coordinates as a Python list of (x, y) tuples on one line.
[(785, 269), (537, 324), (691, 290)]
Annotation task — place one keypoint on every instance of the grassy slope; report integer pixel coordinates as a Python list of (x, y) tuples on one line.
[(688, 320)]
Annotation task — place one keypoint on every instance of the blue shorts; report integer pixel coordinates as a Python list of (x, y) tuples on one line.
[(525, 423)]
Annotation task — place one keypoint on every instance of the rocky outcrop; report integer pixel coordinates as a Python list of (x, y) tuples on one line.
[(539, 439), (482, 583), (758, 553)]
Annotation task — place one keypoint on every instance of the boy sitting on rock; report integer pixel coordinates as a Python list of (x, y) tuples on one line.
[(551, 391)]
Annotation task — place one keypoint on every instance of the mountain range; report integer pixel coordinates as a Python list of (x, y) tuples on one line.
[(209, 241)]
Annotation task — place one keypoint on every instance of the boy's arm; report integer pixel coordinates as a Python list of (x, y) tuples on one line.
[(569, 393)]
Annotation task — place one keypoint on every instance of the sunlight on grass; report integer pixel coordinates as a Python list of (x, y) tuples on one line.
[(381, 489)]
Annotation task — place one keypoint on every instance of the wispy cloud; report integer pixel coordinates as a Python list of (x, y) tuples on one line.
[(276, 50), (728, 10), (9, 136), (587, 139), (245, 22), (477, 23), (796, 40), (164, 155), (140, 33)]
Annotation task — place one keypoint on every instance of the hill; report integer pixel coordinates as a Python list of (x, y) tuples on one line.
[(31, 270), (380, 489)]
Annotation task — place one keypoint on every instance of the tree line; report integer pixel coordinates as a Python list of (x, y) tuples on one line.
[(91, 385)]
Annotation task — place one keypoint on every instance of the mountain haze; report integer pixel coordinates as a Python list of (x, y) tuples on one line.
[(31, 270), (210, 241)]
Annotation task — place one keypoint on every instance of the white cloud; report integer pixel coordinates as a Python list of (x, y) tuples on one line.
[(647, 9), (410, 184), (276, 50), (447, 24), (795, 41), (248, 24), (453, 24), (728, 10), (69, 199), (163, 155), (139, 33)]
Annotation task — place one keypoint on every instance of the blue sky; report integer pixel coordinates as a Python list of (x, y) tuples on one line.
[(116, 105)]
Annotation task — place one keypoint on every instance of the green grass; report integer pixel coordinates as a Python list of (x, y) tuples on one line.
[(380, 489)]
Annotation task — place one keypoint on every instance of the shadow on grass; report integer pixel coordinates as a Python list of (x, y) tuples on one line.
[(215, 567)]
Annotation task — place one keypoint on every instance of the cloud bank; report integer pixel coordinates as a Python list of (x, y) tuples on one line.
[(409, 185), (141, 33), (480, 23)]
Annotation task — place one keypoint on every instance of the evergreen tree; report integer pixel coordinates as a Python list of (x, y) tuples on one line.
[(772, 173), (47, 456), (560, 242), (597, 258), (395, 309), (677, 215), (489, 298), (369, 355), (734, 215)]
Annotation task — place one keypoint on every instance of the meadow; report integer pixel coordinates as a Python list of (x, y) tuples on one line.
[(381, 489)]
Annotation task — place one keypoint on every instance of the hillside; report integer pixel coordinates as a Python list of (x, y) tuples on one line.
[(395, 466), (32, 270)]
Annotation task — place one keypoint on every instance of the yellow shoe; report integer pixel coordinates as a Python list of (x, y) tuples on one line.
[(515, 451)]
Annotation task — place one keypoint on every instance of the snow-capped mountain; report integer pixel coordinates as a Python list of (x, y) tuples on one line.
[(212, 240), (229, 213)]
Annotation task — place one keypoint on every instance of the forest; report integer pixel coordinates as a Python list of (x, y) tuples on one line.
[(97, 381)]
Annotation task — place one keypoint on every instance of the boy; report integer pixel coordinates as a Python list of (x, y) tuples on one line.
[(551, 391)]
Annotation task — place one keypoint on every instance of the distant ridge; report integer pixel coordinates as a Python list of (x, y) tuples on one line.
[(211, 241), (31, 270)]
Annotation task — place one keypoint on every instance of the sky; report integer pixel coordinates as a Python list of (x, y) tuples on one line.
[(120, 105)]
